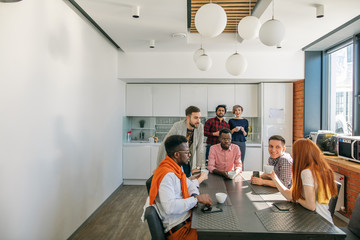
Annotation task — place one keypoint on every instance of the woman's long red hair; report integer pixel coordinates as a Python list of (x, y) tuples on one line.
[(306, 154)]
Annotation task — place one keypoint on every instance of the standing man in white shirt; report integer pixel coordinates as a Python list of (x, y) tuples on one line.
[(173, 193)]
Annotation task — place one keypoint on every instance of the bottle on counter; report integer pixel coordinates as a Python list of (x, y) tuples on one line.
[(129, 136)]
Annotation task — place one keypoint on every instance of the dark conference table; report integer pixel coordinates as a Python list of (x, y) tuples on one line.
[(249, 213)]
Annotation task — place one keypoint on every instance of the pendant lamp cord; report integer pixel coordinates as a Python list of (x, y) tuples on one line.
[(249, 7), (273, 3)]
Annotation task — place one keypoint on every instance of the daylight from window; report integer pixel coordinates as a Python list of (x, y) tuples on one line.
[(341, 89)]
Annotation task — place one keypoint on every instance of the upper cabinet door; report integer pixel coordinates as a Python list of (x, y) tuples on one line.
[(246, 95), (166, 100), (193, 95), (139, 100), (220, 94)]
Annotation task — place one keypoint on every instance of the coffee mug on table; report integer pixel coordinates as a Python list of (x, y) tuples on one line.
[(268, 168), (221, 197)]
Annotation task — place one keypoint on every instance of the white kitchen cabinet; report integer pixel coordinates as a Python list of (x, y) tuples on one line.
[(247, 95), (220, 94), (166, 100), (153, 158), (253, 158), (139, 100), (193, 95), (136, 162)]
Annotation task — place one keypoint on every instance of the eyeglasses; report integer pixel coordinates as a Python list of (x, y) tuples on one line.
[(186, 152), (225, 139)]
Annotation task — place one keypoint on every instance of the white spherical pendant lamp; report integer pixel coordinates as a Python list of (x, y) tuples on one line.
[(198, 53), (204, 62), (210, 20), (272, 32), (236, 64), (249, 27)]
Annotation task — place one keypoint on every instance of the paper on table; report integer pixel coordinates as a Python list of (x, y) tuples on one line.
[(276, 113)]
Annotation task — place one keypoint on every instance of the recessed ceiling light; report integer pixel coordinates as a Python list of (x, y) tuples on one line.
[(178, 35)]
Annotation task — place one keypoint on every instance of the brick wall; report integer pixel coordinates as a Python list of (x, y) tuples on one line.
[(298, 110), (352, 188)]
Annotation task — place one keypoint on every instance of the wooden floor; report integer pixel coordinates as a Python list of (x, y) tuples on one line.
[(119, 218)]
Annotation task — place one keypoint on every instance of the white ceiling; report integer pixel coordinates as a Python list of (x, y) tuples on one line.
[(159, 19)]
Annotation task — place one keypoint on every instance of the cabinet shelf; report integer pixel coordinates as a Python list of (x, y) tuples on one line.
[(142, 128)]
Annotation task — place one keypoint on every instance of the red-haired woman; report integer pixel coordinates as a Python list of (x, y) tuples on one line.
[(313, 180)]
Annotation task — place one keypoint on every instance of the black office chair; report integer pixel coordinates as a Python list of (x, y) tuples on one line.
[(154, 223), (353, 229), (153, 219), (333, 200), (148, 183)]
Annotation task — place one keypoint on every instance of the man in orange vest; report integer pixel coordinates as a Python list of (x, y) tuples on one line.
[(173, 193)]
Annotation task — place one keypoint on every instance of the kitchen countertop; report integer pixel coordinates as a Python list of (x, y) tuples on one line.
[(144, 143), (341, 162), (139, 143)]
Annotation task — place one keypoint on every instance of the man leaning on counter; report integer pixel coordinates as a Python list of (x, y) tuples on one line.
[(192, 129)]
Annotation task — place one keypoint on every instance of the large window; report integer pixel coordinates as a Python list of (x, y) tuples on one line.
[(341, 89)]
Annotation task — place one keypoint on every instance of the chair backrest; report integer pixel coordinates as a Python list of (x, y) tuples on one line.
[(333, 200), (354, 224), (154, 223), (148, 183)]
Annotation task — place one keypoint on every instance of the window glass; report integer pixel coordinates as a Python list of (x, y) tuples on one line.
[(341, 90)]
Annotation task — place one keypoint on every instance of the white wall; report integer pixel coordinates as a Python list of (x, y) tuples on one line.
[(180, 67), (61, 109)]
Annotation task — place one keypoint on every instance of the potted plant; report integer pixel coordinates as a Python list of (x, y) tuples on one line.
[(142, 123)]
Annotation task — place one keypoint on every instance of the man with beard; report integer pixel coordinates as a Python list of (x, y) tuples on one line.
[(175, 195), (213, 126), (192, 129), (224, 156)]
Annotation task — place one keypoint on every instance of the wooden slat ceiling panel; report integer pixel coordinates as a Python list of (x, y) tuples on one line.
[(235, 11)]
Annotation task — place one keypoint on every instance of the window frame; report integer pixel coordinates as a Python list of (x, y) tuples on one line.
[(326, 83)]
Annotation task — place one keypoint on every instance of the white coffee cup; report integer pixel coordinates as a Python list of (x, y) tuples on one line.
[(221, 197), (268, 168), (231, 174), (238, 127), (205, 171)]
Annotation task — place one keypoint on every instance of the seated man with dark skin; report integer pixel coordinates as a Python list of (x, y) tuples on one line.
[(173, 193), (224, 156)]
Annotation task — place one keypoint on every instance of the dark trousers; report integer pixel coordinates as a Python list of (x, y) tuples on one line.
[(242, 147), (207, 153)]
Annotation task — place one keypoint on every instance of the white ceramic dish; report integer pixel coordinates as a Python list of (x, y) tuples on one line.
[(268, 168), (221, 197), (232, 174)]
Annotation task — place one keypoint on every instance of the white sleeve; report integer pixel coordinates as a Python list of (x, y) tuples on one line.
[(307, 178), (170, 202), (193, 186)]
